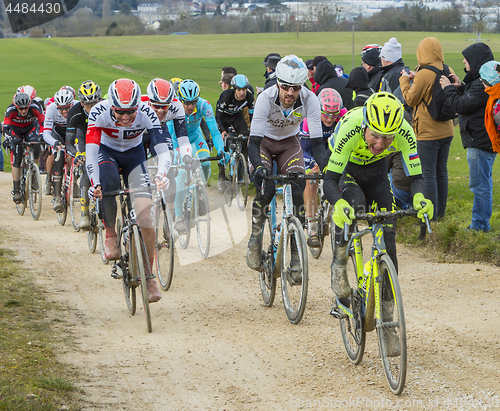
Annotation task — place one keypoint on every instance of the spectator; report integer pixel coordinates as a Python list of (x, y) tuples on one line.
[(327, 76), (469, 100), (270, 62), (433, 137), (358, 81), (225, 81), (315, 62), (392, 63), (491, 78), (310, 72), (371, 63)]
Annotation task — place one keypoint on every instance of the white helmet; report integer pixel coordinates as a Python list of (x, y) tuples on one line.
[(291, 70), (63, 98)]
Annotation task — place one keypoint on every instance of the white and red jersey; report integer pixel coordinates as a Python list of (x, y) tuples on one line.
[(54, 121), (103, 129)]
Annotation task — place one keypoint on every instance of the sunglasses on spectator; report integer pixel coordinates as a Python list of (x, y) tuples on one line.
[(288, 87), (123, 112), (330, 115), (64, 108), (190, 103), (160, 106)]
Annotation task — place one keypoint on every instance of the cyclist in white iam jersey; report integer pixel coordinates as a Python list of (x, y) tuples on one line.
[(274, 136), (114, 142)]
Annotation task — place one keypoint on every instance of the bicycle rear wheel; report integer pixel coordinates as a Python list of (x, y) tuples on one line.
[(92, 231), (140, 269), (240, 181), (129, 283), (267, 280), (351, 324), (35, 191), (294, 270), (391, 329), (202, 216), (164, 246), (316, 251), (74, 201), (24, 192)]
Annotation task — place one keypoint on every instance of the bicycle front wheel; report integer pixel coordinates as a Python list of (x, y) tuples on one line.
[(202, 216), (351, 324), (267, 280), (294, 270), (92, 231), (316, 251), (129, 283), (74, 201), (61, 217), (241, 181), (35, 191), (24, 192), (100, 230), (140, 269), (164, 246), (391, 329)]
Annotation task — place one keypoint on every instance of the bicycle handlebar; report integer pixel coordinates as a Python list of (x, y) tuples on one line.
[(239, 137), (293, 175), (129, 190)]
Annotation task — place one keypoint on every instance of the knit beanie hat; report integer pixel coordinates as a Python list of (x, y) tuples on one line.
[(488, 72), (318, 59), (391, 50), (371, 57)]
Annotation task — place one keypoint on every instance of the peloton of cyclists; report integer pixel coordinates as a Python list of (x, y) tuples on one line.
[(21, 123), (274, 136)]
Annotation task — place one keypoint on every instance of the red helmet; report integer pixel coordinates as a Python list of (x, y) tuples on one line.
[(330, 100), (160, 91), (124, 94), (69, 88), (29, 90)]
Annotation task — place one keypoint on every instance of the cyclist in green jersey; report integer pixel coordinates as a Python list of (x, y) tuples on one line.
[(356, 174)]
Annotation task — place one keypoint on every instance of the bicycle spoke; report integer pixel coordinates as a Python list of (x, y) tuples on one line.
[(164, 246), (267, 280), (35, 191)]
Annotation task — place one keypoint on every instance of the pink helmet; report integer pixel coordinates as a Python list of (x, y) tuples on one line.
[(330, 100)]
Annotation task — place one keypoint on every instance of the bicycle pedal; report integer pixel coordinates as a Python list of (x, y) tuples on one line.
[(116, 272), (336, 314)]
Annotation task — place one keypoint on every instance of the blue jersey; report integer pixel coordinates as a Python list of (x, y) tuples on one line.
[(203, 110)]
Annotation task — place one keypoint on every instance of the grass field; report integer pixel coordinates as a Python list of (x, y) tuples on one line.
[(47, 64)]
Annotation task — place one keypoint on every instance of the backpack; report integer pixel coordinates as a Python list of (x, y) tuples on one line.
[(439, 108)]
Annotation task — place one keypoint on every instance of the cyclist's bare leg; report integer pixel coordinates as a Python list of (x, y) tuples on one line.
[(142, 206)]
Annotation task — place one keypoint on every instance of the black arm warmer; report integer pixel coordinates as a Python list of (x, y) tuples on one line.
[(318, 150), (254, 151)]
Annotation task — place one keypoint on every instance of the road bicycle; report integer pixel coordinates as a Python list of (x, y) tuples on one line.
[(323, 218), (31, 181), (164, 240), (75, 195), (284, 253), (375, 301), (133, 265), (237, 179), (196, 205), (67, 185)]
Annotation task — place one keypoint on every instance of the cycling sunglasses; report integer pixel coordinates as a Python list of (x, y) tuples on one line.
[(160, 106), (288, 87), (123, 112), (379, 135), (330, 115), (64, 108), (190, 103)]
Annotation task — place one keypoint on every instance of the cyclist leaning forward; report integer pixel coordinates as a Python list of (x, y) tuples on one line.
[(22, 123), (54, 134), (114, 141), (356, 175), (274, 136), (89, 95)]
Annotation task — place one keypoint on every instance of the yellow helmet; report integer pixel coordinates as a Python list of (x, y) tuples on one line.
[(383, 113), (89, 92)]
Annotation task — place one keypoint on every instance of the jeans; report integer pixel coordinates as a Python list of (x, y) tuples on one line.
[(403, 198), (481, 185), (434, 160), (1, 156)]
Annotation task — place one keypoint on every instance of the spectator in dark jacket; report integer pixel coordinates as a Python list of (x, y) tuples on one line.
[(392, 63), (326, 75), (358, 81), (469, 101), (371, 63), (270, 62)]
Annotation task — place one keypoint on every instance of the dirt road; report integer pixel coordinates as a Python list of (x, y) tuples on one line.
[(214, 345)]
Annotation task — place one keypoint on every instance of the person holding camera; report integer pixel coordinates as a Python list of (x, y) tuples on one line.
[(469, 100)]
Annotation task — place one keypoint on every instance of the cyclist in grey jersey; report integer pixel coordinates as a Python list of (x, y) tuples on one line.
[(274, 137)]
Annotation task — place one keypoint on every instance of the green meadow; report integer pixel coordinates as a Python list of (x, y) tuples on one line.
[(47, 64)]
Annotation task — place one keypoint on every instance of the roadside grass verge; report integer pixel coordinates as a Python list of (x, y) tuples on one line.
[(32, 330)]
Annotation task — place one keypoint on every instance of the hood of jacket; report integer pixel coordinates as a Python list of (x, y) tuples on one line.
[(324, 71), (476, 55), (429, 52), (358, 79)]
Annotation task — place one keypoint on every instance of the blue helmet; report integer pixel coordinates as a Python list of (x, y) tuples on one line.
[(239, 81), (189, 90)]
